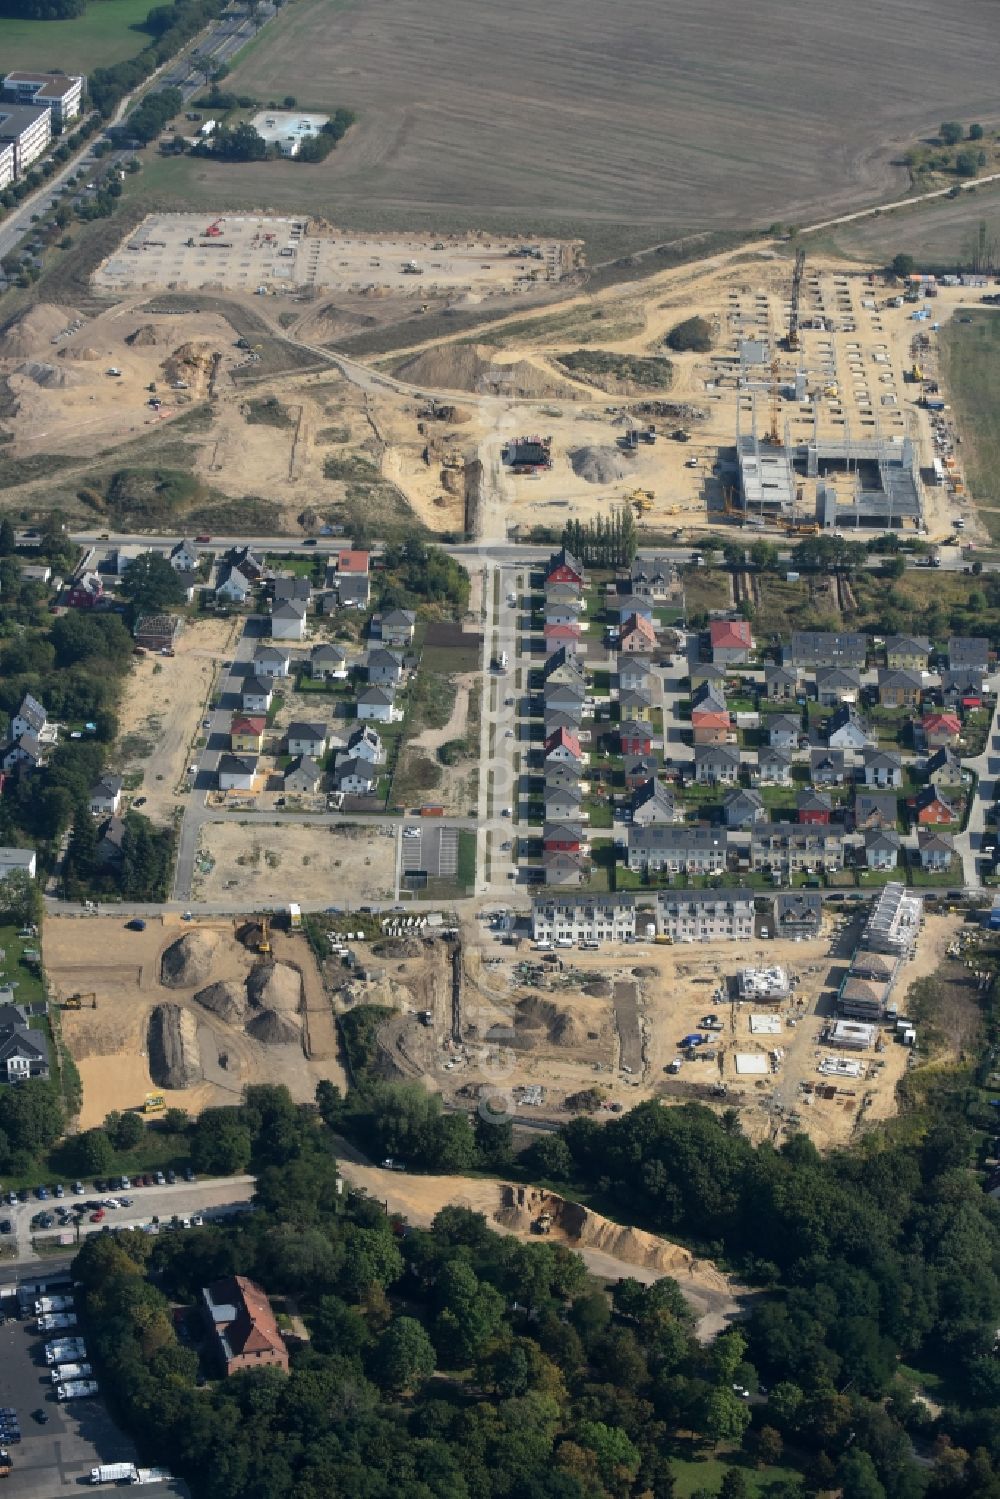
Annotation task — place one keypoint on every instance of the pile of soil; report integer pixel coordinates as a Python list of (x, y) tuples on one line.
[(598, 989), (473, 367), (85, 353), (172, 1042), (275, 1027), (398, 947), (188, 961), (141, 337), (599, 465), (567, 1031), (645, 971), (226, 999), (188, 362), (561, 1026), (275, 986), (34, 328), (48, 376)]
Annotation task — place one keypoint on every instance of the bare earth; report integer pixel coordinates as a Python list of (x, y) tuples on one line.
[(298, 862)]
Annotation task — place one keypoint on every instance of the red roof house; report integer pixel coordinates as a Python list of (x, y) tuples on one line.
[(350, 561), (244, 1326), (562, 635), (711, 725), (730, 640), (562, 746), (940, 729), (637, 634), (929, 808), (564, 568)]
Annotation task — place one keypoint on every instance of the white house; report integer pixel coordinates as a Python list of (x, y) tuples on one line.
[(237, 772), (30, 718), (232, 585), (106, 796), (583, 918), (288, 620), (270, 661), (17, 858), (365, 744), (183, 557), (327, 662), (256, 695), (354, 775), (378, 703), (307, 739)]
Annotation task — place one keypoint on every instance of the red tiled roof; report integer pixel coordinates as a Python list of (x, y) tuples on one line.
[(948, 721), (562, 737), (639, 624), (705, 719), (352, 562), (733, 634), (248, 726)]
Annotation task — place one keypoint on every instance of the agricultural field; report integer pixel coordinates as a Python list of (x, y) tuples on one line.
[(938, 234), (106, 33), (567, 117), (971, 360)]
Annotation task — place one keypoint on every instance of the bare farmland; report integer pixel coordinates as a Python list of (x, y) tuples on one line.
[(671, 117)]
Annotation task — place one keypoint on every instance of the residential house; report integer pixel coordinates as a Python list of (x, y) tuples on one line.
[(354, 775), (780, 684), (557, 593), (353, 562), (639, 769), (568, 775), (774, 766), (716, 764), (246, 733), (327, 663), (307, 738), (383, 668), (396, 626), (366, 744), (881, 767), (565, 637), (353, 591), (812, 649), (788, 849), (710, 725), (679, 850), (813, 809), (106, 795), (730, 641), (907, 652), (634, 674), (898, 687), (37, 572), (619, 606), (288, 620), (288, 586), (565, 669), (564, 837), (564, 697), (557, 718), (798, 915), (945, 767), (563, 612), (233, 584), (21, 860), (583, 918), (637, 635), (184, 557), (741, 809), (246, 559), (110, 837), (836, 685), (725, 914), (874, 809), (256, 694), (862, 998), (271, 661), (562, 747), (936, 850), (653, 803), (243, 1327), (378, 704), (635, 737), (85, 591), (564, 867), (23, 1052), (635, 702), (26, 752), (564, 568), (561, 802), (656, 578), (846, 730), (827, 767), (969, 653), (122, 557), (705, 671), (894, 921), (237, 772), (30, 718), (965, 685), (882, 847), (938, 729), (783, 731), (157, 632), (929, 808), (303, 776)]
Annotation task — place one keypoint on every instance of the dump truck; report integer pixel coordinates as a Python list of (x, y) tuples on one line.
[(152, 1475)]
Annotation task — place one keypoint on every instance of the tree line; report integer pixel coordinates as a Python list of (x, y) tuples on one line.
[(610, 542)]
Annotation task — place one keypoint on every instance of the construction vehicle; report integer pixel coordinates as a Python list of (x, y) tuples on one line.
[(77, 1001), (213, 230), (262, 944), (680, 434), (542, 1224), (917, 374), (642, 500), (773, 434), (796, 527), (154, 1103), (792, 340)]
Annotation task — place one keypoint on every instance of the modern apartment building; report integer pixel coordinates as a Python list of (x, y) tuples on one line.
[(705, 915), (60, 93), (583, 918), (28, 128)]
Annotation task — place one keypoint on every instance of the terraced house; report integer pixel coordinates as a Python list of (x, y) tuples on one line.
[(678, 850), (786, 848)]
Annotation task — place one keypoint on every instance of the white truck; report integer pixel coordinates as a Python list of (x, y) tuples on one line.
[(57, 1322), (65, 1350), (46, 1304), (152, 1475), (76, 1389), (63, 1373), (113, 1473)]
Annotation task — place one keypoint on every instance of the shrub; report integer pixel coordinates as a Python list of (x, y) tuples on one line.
[(694, 334)]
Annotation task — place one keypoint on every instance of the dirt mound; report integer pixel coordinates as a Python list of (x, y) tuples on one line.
[(172, 1041), (48, 376), (26, 333), (598, 989), (398, 947), (189, 362), (567, 1031), (188, 961), (85, 353), (275, 1027), (227, 999), (561, 1026), (645, 971), (473, 367), (275, 986), (599, 465), (141, 337)]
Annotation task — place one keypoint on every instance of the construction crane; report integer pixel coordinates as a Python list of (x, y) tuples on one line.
[(793, 310), (213, 229), (773, 435)]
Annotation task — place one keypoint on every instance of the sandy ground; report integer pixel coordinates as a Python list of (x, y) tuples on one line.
[(162, 709), (299, 863), (109, 1044), (432, 739)]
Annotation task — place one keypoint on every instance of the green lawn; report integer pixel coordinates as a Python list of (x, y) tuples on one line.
[(971, 366), (26, 982), (106, 33), (708, 1473)]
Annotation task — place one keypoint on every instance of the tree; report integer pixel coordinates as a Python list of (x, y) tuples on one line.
[(903, 266), (723, 1417), (617, 1457), (92, 1153), (221, 1144), (151, 584), (976, 132), (764, 555), (894, 567), (734, 1485), (404, 1357), (858, 1476), (694, 334), (548, 1158), (31, 1115), (770, 1447), (124, 1130), (8, 541), (951, 132)]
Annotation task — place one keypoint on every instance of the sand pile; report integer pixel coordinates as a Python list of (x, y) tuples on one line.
[(275, 986), (276, 1027), (473, 367), (48, 376), (599, 465), (187, 362), (86, 353), (226, 999), (561, 1026), (141, 337), (174, 1054), (566, 1030), (26, 333), (188, 961)]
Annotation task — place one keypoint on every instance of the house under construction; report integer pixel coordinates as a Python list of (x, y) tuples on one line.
[(871, 481)]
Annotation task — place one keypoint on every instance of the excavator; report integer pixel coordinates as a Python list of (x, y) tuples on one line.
[(77, 1002), (642, 500), (263, 944)]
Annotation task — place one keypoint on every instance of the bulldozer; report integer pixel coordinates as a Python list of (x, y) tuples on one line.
[(77, 1001), (155, 1103), (642, 500), (542, 1224)]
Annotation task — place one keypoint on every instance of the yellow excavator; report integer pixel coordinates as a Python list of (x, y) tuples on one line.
[(642, 500), (263, 944), (77, 1002)]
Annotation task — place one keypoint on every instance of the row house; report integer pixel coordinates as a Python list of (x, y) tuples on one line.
[(907, 652), (678, 850), (812, 649), (798, 915), (583, 918), (788, 849), (725, 914)]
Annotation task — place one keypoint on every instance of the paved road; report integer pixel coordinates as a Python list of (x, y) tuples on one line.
[(987, 767)]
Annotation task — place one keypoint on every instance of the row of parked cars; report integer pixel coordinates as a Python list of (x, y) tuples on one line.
[(101, 1184)]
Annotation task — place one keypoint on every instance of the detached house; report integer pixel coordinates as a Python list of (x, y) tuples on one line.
[(899, 687), (940, 729), (355, 776), (936, 851), (237, 772), (635, 737), (378, 704), (655, 578), (23, 1052), (353, 591), (566, 867), (30, 718), (561, 637), (929, 808), (827, 767), (327, 663), (303, 776), (774, 766), (639, 769), (562, 802), (232, 584), (620, 605), (290, 586), (288, 620), (563, 747), (710, 725), (366, 745), (634, 675), (26, 752), (969, 653), (243, 1327), (845, 730), (730, 641), (716, 764), (383, 668), (246, 733), (882, 847), (798, 915), (256, 694), (635, 702), (637, 635), (874, 809), (780, 684), (85, 592), (271, 661), (184, 557), (565, 669), (396, 626), (783, 731), (105, 797), (741, 809), (653, 803), (881, 768), (307, 739), (836, 685), (563, 837), (563, 567), (813, 808)]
